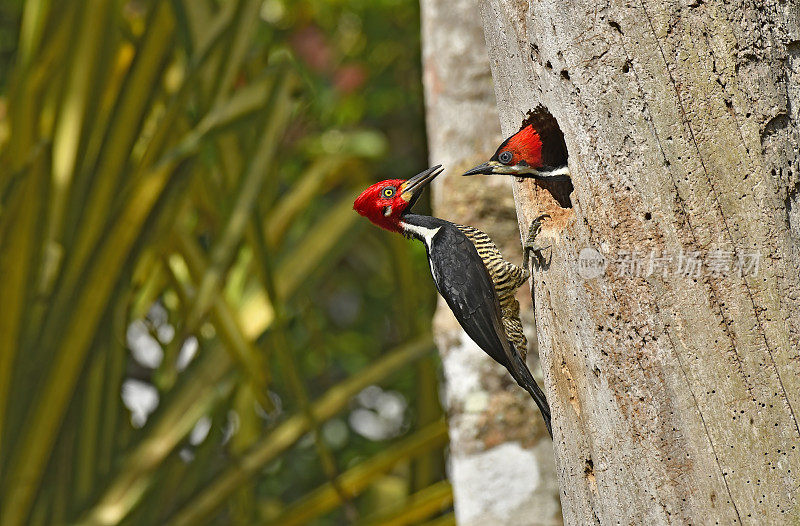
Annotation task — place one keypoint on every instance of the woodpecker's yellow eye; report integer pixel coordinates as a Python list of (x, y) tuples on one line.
[(388, 192)]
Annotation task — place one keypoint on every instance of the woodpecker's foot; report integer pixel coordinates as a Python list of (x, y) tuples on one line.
[(530, 247)]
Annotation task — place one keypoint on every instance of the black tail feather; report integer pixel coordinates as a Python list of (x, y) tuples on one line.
[(525, 379)]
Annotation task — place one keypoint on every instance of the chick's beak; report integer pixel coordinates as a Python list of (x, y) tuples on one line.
[(488, 168), (412, 188)]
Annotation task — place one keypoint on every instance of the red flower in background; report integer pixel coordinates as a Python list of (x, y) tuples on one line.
[(349, 78), (311, 46)]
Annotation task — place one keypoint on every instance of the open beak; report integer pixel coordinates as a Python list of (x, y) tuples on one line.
[(412, 188), (489, 168)]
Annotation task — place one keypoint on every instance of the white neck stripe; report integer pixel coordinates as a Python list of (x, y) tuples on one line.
[(564, 170), (426, 234)]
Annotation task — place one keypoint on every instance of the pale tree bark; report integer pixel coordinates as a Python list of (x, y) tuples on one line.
[(675, 398), (501, 462)]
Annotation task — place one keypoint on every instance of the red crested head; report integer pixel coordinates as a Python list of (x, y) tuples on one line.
[(525, 146), (536, 149), (384, 203)]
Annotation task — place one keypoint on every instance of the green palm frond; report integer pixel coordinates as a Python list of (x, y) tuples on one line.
[(160, 180)]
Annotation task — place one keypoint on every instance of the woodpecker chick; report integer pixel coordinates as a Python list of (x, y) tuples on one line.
[(468, 270), (537, 150)]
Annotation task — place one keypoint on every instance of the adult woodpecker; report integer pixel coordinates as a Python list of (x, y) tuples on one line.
[(537, 150), (468, 270)]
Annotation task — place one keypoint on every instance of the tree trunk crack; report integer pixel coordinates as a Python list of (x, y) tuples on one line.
[(705, 427), (724, 321), (732, 110), (725, 225)]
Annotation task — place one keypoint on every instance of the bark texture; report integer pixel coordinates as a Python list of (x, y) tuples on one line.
[(675, 398), (501, 462)]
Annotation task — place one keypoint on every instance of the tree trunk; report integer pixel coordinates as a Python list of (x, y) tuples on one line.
[(672, 372), (501, 462)]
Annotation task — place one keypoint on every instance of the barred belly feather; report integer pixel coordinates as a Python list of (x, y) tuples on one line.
[(507, 278)]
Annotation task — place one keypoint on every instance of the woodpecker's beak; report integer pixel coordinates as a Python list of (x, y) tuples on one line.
[(412, 188), (489, 168)]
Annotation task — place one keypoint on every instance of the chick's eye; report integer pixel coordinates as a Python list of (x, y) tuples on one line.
[(388, 192), (505, 157)]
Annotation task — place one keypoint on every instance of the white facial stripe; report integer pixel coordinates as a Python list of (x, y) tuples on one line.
[(512, 170), (387, 211), (425, 233), (564, 170)]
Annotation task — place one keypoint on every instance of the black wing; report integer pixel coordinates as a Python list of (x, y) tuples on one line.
[(554, 148), (464, 283)]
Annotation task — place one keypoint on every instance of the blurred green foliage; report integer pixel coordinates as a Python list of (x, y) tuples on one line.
[(196, 327)]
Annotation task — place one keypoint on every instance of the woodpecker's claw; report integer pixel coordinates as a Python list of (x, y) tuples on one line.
[(530, 246)]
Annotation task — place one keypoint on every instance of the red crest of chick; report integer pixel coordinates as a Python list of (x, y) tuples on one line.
[(537, 150), (524, 146)]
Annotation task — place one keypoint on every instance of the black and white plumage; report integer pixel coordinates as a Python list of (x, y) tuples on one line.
[(507, 278), (468, 270), (478, 285)]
